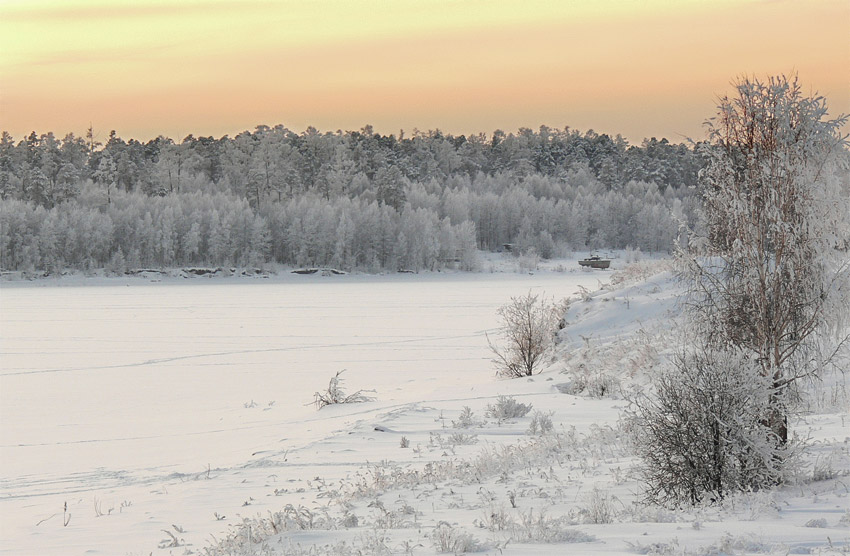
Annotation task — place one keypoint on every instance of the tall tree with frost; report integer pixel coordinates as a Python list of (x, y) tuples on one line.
[(772, 275)]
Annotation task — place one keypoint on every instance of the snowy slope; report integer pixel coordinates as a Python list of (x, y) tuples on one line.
[(187, 454)]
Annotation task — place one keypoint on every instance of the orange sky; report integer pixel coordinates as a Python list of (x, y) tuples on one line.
[(214, 67)]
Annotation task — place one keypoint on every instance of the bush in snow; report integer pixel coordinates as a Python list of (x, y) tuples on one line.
[(528, 328), (538, 528), (466, 419), (541, 423), (639, 271), (506, 407), (457, 541), (454, 439), (335, 394), (704, 434), (598, 509), (594, 382)]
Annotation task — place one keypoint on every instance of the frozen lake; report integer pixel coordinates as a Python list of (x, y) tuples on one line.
[(126, 383)]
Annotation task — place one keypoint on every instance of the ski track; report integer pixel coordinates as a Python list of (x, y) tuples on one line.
[(301, 348), (103, 478)]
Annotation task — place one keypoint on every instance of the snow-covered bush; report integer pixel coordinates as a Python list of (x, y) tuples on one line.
[(528, 262), (541, 423), (592, 382), (598, 508), (252, 535), (639, 271), (601, 369), (494, 518), (336, 395), (632, 255), (447, 538), (466, 419), (506, 407), (454, 439), (383, 519), (537, 528), (703, 433), (528, 329)]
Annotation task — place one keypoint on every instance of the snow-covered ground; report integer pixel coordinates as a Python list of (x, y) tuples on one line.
[(171, 416)]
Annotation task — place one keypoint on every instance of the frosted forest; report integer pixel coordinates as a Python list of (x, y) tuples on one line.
[(352, 200), (458, 378)]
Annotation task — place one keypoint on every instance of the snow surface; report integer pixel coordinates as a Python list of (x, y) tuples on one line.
[(170, 415)]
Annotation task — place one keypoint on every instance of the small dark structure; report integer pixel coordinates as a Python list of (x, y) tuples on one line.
[(595, 261)]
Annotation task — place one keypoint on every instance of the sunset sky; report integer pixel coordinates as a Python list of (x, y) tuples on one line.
[(214, 67)]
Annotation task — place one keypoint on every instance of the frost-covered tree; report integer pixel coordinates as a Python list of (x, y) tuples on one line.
[(7, 166), (528, 330), (770, 275), (176, 162), (768, 285), (390, 187), (107, 175)]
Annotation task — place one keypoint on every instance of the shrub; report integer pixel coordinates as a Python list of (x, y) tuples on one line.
[(506, 407), (541, 423), (704, 433), (528, 327), (598, 509), (448, 539), (538, 528), (335, 394), (466, 419), (461, 439)]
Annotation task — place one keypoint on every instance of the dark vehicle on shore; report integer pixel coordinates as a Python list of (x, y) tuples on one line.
[(595, 261)]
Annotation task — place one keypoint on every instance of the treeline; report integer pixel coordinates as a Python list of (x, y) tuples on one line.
[(194, 228), (351, 200)]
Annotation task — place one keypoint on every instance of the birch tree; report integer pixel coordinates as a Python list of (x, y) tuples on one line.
[(770, 274)]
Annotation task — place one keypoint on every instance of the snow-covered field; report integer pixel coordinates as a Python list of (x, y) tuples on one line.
[(174, 417)]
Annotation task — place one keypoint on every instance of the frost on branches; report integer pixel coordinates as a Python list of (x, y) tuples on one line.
[(528, 329), (702, 435), (770, 275), (767, 299)]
